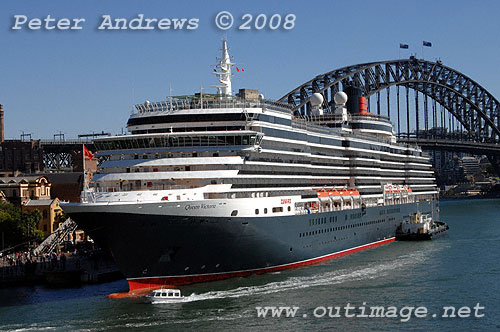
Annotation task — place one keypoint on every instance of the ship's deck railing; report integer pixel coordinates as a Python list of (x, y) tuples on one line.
[(177, 104), (336, 118)]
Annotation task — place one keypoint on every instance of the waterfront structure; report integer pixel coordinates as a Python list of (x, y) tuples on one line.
[(20, 157), (214, 186), (470, 165), (20, 189), (50, 211)]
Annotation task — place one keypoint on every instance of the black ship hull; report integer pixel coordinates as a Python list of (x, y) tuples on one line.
[(154, 250)]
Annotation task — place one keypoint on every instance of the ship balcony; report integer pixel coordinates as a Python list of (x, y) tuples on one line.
[(178, 140)]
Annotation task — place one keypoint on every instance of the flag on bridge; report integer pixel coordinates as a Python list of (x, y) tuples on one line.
[(403, 46), (426, 43)]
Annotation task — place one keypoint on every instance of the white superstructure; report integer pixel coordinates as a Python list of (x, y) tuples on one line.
[(242, 147)]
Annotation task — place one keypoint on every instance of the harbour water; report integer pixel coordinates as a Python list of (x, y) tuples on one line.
[(460, 269)]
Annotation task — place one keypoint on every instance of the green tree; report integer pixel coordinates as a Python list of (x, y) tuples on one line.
[(29, 225), (19, 227), (9, 216)]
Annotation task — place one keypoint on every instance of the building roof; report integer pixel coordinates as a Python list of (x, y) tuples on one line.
[(39, 202), (65, 178), (22, 179)]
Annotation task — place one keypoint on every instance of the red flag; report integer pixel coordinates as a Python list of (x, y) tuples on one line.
[(237, 68), (87, 153), (242, 69)]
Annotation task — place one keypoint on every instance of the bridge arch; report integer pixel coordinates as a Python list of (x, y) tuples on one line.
[(472, 105)]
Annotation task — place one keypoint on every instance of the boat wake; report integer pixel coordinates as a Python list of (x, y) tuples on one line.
[(371, 271)]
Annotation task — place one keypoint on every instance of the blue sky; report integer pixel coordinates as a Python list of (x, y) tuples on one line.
[(87, 80)]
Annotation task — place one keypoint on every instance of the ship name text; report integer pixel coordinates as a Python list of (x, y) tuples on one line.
[(200, 206)]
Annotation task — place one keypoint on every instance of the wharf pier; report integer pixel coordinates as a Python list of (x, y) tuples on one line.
[(65, 269)]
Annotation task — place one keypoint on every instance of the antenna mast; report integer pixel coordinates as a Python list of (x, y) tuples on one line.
[(225, 72)]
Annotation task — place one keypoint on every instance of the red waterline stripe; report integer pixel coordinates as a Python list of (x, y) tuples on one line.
[(145, 284)]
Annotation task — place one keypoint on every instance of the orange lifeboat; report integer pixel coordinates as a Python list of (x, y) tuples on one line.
[(336, 192)]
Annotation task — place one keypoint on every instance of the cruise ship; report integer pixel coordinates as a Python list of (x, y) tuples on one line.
[(222, 185)]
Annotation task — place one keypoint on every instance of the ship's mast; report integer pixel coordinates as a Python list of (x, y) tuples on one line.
[(224, 64)]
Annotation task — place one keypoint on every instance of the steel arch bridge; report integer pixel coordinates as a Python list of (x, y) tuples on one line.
[(476, 111)]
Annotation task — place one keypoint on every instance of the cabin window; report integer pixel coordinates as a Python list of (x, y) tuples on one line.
[(277, 209), (265, 210), (234, 213), (289, 209), (256, 211)]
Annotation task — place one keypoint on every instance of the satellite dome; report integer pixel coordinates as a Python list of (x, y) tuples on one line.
[(316, 99), (147, 102), (261, 96), (340, 98)]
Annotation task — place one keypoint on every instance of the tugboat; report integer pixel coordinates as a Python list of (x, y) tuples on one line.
[(420, 227)]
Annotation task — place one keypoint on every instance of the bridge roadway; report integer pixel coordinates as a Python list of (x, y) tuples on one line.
[(470, 146), (458, 144)]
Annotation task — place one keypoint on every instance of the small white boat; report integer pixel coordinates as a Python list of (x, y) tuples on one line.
[(166, 295)]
